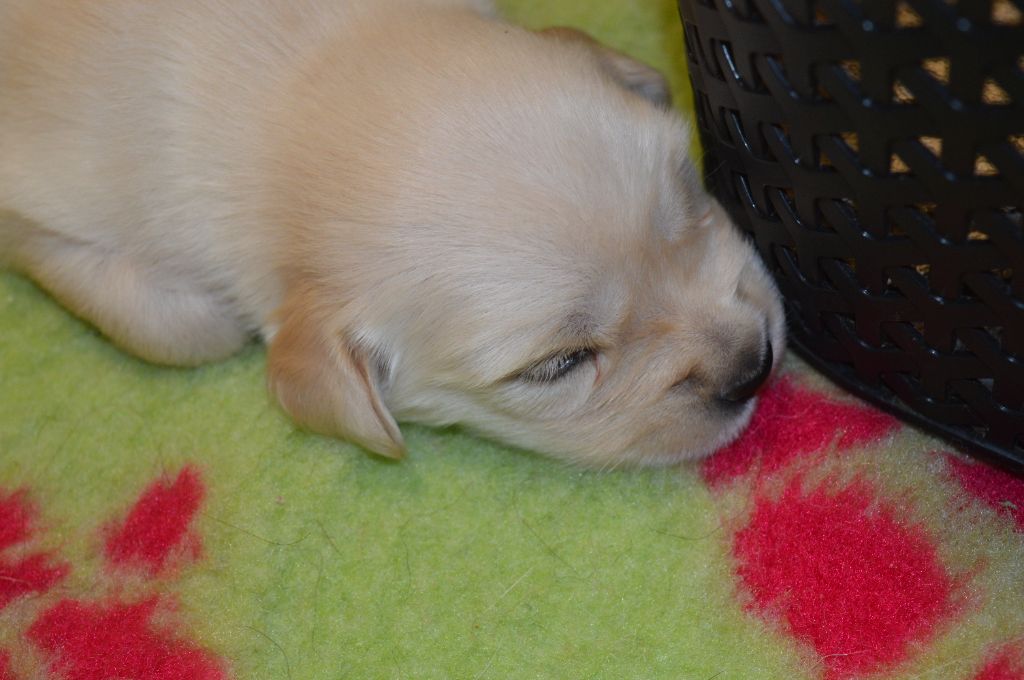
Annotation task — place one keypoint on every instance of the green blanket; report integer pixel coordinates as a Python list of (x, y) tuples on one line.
[(173, 525)]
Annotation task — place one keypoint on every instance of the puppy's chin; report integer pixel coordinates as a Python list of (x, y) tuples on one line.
[(605, 444), (731, 431)]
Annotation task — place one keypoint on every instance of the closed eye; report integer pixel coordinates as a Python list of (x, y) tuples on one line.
[(556, 366)]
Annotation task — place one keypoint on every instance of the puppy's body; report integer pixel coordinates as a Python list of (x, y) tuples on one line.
[(418, 205), (147, 139)]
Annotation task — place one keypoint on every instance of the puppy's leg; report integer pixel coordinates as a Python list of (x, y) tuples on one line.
[(161, 321)]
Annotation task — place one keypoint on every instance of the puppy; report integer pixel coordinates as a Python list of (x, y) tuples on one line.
[(428, 214)]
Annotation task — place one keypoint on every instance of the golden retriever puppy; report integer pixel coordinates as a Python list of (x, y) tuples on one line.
[(429, 215)]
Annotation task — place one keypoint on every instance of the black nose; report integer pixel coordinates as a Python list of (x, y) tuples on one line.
[(751, 383)]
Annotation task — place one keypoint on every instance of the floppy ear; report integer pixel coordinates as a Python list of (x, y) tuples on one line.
[(329, 384), (631, 74)]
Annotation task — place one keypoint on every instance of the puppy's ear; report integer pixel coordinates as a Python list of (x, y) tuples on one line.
[(329, 384), (631, 74)]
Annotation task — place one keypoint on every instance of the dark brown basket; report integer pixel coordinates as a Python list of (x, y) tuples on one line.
[(875, 151)]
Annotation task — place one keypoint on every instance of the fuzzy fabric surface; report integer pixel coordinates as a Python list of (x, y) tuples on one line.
[(161, 524)]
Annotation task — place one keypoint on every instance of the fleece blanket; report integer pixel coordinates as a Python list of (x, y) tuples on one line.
[(160, 524)]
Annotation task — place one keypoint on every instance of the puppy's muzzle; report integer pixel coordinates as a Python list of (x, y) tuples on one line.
[(750, 380)]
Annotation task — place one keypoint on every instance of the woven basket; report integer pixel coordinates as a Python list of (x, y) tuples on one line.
[(874, 149)]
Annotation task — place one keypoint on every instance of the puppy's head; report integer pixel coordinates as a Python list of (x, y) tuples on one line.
[(534, 257)]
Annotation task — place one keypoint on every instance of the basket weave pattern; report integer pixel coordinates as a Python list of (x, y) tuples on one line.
[(874, 149)]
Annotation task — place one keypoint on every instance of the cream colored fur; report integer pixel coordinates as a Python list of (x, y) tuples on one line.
[(414, 203)]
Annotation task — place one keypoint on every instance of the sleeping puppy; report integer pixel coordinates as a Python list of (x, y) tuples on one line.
[(428, 214)]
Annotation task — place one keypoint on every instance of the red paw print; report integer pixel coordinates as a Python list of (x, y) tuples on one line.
[(34, 572), (836, 564), (846, 574), (94, 639)]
